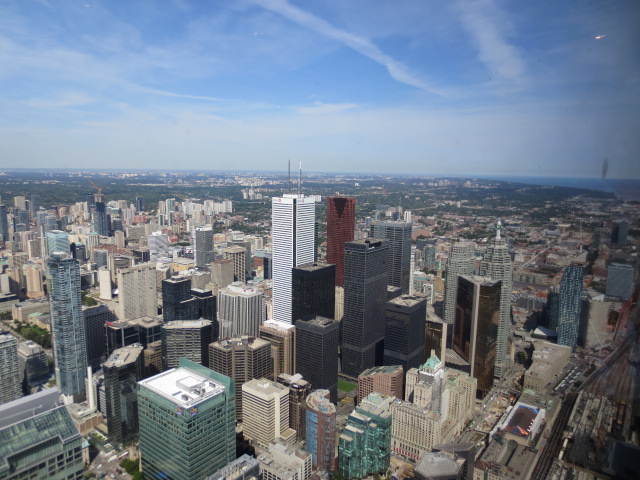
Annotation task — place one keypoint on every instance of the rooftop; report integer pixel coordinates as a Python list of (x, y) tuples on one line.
[(278, 325), (182, 386), (123, 356), (187, 323)]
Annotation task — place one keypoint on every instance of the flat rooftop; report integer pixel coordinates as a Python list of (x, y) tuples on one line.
[(123, 356), (183, 387), (278, 324)]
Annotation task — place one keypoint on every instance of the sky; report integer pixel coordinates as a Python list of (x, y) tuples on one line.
[(420, 87)]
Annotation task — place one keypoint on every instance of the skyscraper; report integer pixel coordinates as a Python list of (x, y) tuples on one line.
[(620, 280), (282, 337), (313, 291), (475, 330), (496, 264), (176, 300), (67, 324), (122, 370), (317, 343), (4, 224), (33, 365), (240, 310), (341, 225), (137, 292), (293, 219), (238, 256), (57, 241), (461, 261), (265, 417), (565, 313), (203, 246), (299, 389), (404, 331), (398, 235), (188, 339), (100, 219), (321, 430), (158, 245), (10, 387), (365, 297), (187, 422)]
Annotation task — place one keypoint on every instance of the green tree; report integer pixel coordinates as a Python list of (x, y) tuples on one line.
[(521, 358)]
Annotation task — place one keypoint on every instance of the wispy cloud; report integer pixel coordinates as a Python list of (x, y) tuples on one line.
[(364, 46), (68, 99), (487, 27)]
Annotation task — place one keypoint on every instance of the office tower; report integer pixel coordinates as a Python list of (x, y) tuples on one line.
[(387, 380), (496, 264), (282, 337), (293, 219), (95, 319), (202, 246), (299, 389), (33, 365), (4, 225), (364, 447), (341, 225), (138, 205), (206, 307), (265, 412), (435, 336), (158, 245), (57, 241), (119, 335), (34, 248), (237, 256), (137, 295), (33, 275), (188, 339), (153, 359), (365, 297), (620, 281), (10, 376), (245, 244), (222, 272), (67, 324), (38, 439), (79, 252), (317, 343), (404, 331), (100, 219), (187, 422), (398, 235), (101, 258), (176, 300), (461, 261), (122, 370), (240, 310), (476, 326), (241, 359), (243, 468), (565, 314), (313, 291), (282, 461), (104, 280), (620, 232), (20, 202), (321, 430)]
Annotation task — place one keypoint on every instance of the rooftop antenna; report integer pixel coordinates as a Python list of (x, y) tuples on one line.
[(289, 187), (498, 227), (300, 180)]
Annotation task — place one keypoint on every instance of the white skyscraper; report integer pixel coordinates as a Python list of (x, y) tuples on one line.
[(240, 310), (137, 295), (496, 264), (293, 244)]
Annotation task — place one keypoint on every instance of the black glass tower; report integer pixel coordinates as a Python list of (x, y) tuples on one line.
[(317, 343), (365, 298), (404, 331), (313, 291), (177, 303)]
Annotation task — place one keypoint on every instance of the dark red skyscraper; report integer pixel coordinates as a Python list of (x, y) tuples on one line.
[(341, 223)]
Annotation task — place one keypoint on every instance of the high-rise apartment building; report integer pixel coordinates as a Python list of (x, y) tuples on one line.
[(240, 310), (496, 264), (10, 376), (387, 380), (237, 255), (365, 297), (317, 343), (67, 324), (203, 246), (39, 440), (137, 292), (100, 219), (187, 422), (398, 235), (321, 430), (95, 320), (461, 261), (188, 339), (565, 312), (313, 291), (404, 331), (476, 326), (293, 243), (341, 225), (241, 359), (265, 407), (299, 389), (282, 337), (122, 370), (620, 281)]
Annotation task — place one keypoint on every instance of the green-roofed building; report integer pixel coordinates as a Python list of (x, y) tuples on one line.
[(187, 422), (38, 439)]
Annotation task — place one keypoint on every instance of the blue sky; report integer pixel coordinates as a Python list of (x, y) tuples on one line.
[(414, 87)]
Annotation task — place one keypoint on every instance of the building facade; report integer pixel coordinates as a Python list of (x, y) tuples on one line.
[(282, 337), (404, 331), (313, 291), (387, 380), (10, 387), (240, 311), (341, 225), (188, 339), (137, 295), (317, 346), (461, 261), (565, 313), (299, 389), (321, 430), (398, 235), (265, 412)]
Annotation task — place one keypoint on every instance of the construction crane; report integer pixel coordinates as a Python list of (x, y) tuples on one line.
[(98, 196)]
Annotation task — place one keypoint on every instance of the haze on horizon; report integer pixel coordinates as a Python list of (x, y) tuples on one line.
[(416, 87)]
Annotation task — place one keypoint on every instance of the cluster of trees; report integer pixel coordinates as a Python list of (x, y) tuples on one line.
[(132, 468), (34, 333)]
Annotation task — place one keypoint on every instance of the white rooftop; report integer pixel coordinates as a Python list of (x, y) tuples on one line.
[(183, 387), (278, 324)]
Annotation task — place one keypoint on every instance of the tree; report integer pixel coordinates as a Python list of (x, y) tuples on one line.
[(521, 358)]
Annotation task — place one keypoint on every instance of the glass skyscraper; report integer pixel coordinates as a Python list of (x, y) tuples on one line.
[(341, 225), (565, 312), (67, 324), (399, 236)]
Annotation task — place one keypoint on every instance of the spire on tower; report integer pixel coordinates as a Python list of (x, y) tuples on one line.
[(498, 228)]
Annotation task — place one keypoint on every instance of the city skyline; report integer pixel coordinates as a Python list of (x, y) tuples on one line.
[(423, 85)]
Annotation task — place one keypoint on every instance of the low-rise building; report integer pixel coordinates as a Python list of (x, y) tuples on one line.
[(284, 462), (548, 360)]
